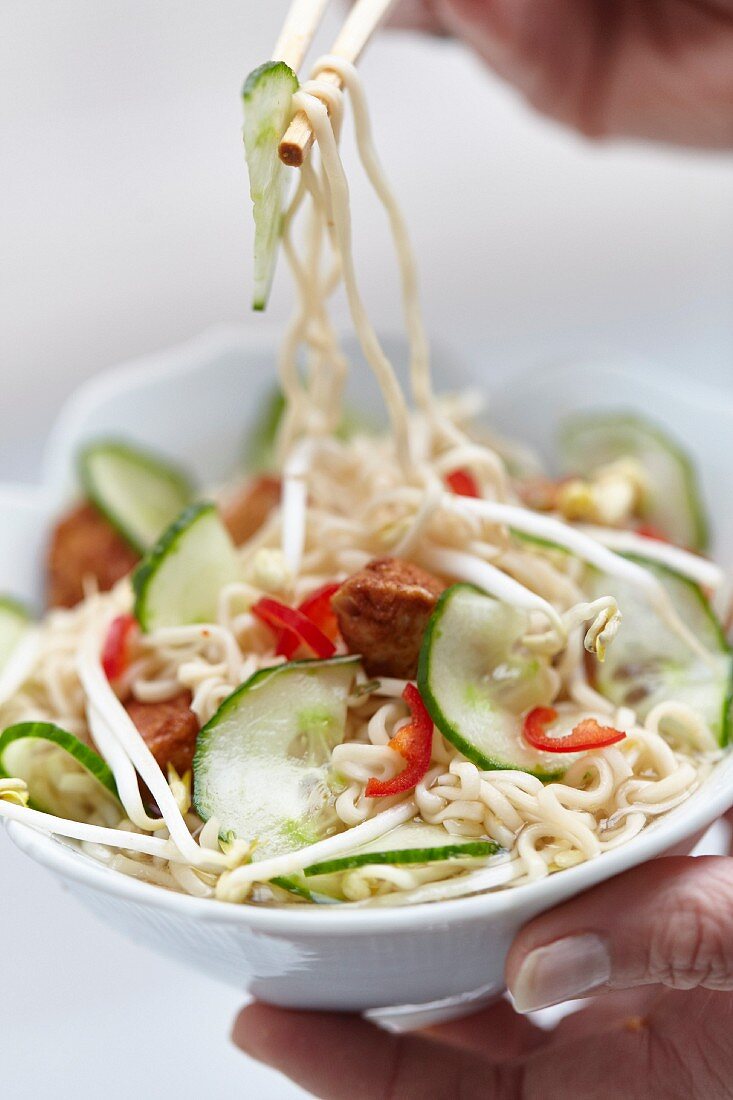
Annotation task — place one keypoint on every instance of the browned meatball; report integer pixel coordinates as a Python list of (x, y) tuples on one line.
[(85, 545), (169, 730), (248, 508), (382, 613)]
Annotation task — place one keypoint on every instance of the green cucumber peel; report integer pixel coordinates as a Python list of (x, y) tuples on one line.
[(293, 887), (473, 849), (297, 887), (491, 722), (86, 757), (262, 761), (267, 96), (264, 674), (179, 581)]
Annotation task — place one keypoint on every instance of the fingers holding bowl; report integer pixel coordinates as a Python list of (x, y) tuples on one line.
[(336, 1056), (497, 1033), (669, 923)]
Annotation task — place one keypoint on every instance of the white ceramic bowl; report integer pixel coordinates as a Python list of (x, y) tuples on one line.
[(195, 403)]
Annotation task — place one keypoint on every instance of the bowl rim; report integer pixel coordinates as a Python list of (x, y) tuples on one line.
[(69, 863)]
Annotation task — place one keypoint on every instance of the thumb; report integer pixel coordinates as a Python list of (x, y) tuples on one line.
[(669, 923)]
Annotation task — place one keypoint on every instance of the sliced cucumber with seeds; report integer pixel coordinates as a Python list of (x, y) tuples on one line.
[(138, 492), (648, 664), (261, 764), (180, 580), (14, 621), (413, 842), (675, 504), (26, 750), (268, 104), (477, 680)]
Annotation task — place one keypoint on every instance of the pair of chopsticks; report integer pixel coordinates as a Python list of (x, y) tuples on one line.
[(300, 27)]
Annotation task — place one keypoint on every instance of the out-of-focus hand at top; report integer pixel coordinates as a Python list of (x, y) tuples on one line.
[(660, 69)]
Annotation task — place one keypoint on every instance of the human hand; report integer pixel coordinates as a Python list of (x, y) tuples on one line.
[(660, 69), (656, 942)]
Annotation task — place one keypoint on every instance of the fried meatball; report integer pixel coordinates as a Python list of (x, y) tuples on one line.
[(169, 729), (85, 545), (248, 508), (382, 613)]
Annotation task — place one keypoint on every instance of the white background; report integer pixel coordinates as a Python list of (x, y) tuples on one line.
[(125, 226)]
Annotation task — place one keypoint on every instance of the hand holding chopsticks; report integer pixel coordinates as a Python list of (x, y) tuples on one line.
[(299, 29)]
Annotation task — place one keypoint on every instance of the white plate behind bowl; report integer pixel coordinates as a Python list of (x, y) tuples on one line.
[(195, 403)]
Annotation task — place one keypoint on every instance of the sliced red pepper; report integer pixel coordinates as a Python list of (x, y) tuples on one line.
[(115, 651), (415, 743), (317, 608), (462, 483), (281, 617), (649, 531), (587, 735)]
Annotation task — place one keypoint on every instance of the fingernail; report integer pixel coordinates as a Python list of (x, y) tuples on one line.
[(560, 971)]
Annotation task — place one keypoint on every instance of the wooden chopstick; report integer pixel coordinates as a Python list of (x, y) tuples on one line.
[(299, 28), (360, 25)]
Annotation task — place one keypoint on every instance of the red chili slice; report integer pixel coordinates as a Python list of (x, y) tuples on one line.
[(281, 617), (649, 531), (462, 483), (115, 652), (317, 608), (415, 743), (587, 735)]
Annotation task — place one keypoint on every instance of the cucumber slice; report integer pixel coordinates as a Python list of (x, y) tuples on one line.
[(413, 842), (476, 680), (268, 104), (27, 751), (14, 621), (180, 579), (262, 761), (648, 664), (675, 504), (138, 492), (293, 886), (297, 886)]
